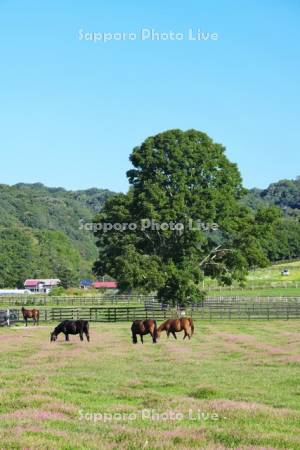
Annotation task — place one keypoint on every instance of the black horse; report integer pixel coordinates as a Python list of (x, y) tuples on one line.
[(71, 327)]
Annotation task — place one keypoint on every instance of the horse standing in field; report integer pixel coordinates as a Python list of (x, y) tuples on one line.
[(143, 327), (174, 326), (33, 314), (71, 327)]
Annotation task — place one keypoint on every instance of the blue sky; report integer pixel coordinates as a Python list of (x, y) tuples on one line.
[(72, 110)]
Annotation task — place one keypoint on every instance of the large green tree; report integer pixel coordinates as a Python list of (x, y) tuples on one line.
[(184, 200)]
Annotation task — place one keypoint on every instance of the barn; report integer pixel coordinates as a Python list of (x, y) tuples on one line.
[(105, 285), (41, 285)]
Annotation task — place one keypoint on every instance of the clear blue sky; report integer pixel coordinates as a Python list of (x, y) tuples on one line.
[(72, 110)]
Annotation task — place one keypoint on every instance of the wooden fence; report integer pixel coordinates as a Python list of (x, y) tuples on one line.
[(253, 286), (208, 311), (45, 300), (123, 300), (244, 299)]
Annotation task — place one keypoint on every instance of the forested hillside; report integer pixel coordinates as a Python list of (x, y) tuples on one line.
[(40, 234), (285, 194)]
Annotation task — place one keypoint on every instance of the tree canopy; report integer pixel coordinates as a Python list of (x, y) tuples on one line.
[(184, 200)]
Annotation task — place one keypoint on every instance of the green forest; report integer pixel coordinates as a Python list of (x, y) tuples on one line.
[(40, 233), (284, 196)]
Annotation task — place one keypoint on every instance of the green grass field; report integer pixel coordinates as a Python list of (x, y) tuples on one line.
[(267, 282), (273, 273), (234, 385)]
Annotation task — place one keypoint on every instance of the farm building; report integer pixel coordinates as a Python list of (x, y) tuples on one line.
[(41, 285), (105, 285), (86, 283)]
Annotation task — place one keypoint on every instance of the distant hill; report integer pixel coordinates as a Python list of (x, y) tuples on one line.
[(40, 234), (285, 194)]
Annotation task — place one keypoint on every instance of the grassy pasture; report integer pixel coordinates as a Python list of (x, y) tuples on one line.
[(273, 273), (234, 385), (263, 282)]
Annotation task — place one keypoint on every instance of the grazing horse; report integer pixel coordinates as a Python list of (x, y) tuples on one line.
[(71, 327), (174, 326), (143, 327), (33, 314)]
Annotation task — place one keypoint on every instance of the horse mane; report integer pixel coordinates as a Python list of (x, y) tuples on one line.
[(163, 325)]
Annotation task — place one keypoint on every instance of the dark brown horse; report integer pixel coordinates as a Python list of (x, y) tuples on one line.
[(143, 327), (174, 326), (31, 314)]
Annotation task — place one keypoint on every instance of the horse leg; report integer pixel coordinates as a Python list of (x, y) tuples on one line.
[(142, 339), (174, 334), (185, 334), (25, 321), (67, 337), (189, 332), (81, 336), (87, 336), (153, 337)]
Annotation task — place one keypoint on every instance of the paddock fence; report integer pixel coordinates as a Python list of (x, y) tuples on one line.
[(254, 286), (88, 300), (209, 310), (146, 301)]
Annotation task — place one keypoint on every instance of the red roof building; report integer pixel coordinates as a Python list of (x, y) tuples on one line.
[(41, 285), (105, 285)]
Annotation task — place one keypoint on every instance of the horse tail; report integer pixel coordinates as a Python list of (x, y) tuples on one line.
[(155, 331), (133, 331), (87, 328), (192, 326)]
